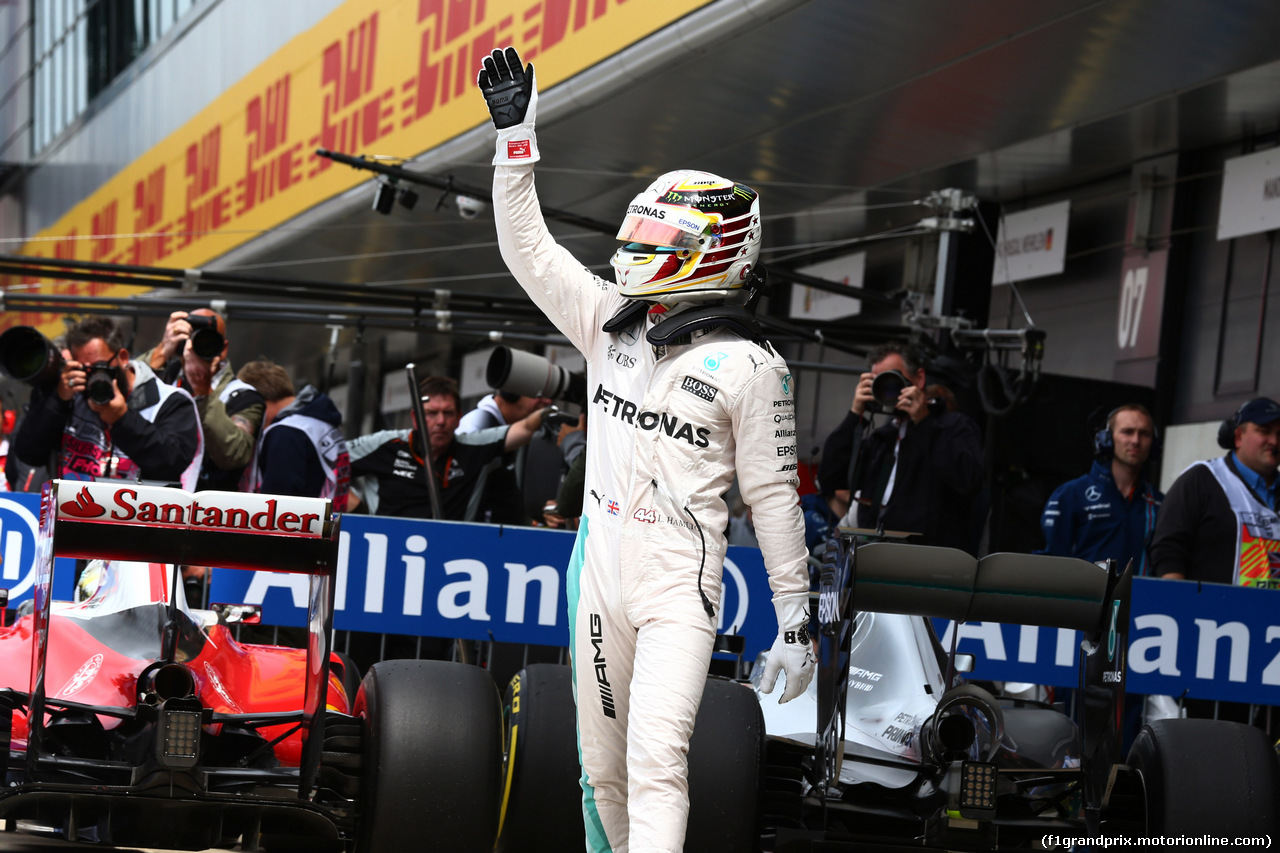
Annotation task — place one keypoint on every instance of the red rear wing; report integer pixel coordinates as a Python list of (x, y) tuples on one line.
[(118, 520)]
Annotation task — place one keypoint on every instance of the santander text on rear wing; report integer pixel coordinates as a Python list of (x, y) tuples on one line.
[(117, 520)]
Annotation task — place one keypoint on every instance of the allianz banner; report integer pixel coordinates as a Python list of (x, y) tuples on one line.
[(476, 581), (1208, 641)]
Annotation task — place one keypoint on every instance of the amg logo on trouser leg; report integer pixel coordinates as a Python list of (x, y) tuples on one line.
[(602, 677)]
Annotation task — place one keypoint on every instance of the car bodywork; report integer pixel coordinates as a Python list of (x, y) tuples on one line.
[(890, 748), (128, 703), (130, 719)]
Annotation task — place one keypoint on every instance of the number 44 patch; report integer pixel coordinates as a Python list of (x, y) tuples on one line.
[(647, 515)]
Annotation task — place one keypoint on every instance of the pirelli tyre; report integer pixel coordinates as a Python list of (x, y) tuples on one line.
[(542, 808), (542, 803), (432, 758), (1207, 777), (725, 757)]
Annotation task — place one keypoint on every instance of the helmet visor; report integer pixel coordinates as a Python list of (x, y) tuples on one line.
[(678, 227)]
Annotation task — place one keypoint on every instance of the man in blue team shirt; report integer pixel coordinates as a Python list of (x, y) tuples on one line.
[(1109, 513)]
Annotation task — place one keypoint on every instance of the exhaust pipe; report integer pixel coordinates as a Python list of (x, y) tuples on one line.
[(951, 732), (171, 681)]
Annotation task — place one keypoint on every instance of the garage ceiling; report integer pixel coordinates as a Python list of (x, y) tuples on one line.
[(842, 113)]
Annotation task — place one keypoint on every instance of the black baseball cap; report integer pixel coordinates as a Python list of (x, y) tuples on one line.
[(1260, 411)]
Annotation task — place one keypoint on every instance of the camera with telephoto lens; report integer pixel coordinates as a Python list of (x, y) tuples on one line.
[(517, 372), (100, 382), (553, 418), (885, 390), (30, 357), (206, 341)]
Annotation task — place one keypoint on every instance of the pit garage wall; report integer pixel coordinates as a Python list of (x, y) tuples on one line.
[(225, 148), (15, 108), (1211, 339), (1205, 342)]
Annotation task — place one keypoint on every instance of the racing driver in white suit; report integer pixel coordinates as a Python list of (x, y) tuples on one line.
[(682, 392)]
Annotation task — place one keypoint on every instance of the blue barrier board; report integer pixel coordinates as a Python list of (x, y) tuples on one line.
[(480, 582)]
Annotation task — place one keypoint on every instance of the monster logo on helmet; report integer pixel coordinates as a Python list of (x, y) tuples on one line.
[(689, 237)]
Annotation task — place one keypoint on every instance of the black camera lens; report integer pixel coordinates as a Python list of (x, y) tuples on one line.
[(887, 387), (100, 382), (206, 341), (28, 356)]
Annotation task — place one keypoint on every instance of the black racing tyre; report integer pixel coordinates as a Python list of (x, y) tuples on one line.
[(725, 757), (432, 758), (542, 809), (350, 677), (1202, 776)]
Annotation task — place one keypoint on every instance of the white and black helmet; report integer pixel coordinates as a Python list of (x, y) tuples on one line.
[(690, 237)]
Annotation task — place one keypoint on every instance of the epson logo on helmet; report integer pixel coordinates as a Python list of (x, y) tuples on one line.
[(645, 210)]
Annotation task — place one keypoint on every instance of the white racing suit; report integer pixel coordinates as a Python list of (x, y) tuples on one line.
[(666, 432)]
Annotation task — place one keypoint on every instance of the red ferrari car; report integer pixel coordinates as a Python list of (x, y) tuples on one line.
[(135, 720)]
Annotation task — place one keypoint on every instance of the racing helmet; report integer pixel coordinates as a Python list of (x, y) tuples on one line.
[(690, 237)]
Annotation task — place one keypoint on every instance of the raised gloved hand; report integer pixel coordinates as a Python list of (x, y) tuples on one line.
[(792, 652), (511, 93)]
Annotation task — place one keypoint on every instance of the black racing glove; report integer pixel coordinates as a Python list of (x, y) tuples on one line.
[(507, 87)]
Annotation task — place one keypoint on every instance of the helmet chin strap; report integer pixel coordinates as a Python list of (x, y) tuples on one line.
[(678, 327), (711, 308)]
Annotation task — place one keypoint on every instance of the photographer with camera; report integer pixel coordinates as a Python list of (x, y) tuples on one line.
[(193, 355), (503, 499), (389, 468), (919, 471), (499, 409), (108, 416)]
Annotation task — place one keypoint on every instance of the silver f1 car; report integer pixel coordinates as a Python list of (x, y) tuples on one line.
[(891, 749)]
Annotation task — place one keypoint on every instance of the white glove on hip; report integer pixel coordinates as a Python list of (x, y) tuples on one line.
[(792, 652)]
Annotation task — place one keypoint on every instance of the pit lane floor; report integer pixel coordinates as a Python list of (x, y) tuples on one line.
[(26, 843)]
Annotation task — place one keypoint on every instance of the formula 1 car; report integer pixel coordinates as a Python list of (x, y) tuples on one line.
[(131, 719), (891, 749)]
